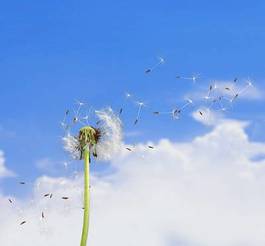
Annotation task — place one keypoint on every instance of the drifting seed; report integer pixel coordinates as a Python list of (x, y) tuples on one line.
[(23, 222), (161, 61), (200, 112), (22, 183), (150, 147), (42, 215), (48, 194), (156, 112), (10, 200), (65, 198), (193, 78), (121, 109), (148, 70), (129, 149)]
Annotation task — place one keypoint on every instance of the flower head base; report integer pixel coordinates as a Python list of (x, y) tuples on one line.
[(88, 138)]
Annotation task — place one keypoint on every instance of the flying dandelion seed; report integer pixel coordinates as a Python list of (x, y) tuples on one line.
[(127, 97), (215, 98), (46, 195), (22, 183), (140, 107), (63, 123), (242, 91), (65, 197), (102, 142), (160, 61), (10, 200), (23, 222), (211, 90), (193, 78), (175, 113), (76, 118), (151, 147), (129, 149)]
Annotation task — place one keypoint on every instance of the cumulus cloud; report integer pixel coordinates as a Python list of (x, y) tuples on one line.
[(210, 191)]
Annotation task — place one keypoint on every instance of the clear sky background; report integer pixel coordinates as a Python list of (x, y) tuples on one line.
[(54, 52)]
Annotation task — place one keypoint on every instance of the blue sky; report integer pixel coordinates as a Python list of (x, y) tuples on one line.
[(53, 53)]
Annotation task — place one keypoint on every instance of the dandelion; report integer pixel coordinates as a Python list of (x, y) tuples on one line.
[(243, 90), (193, 78), (140, 106), (175, 113), (127, 97), (160, 61), (102, 142)]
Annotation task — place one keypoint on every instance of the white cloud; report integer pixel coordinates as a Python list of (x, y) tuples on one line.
[(207, 116), (4, 172), (50, 166), (205, 192)]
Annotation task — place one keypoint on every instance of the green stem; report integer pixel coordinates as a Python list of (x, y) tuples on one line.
[(86, 198)]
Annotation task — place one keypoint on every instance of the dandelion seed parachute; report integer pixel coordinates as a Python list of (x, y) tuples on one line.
[(111, 134), (71, 145)]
